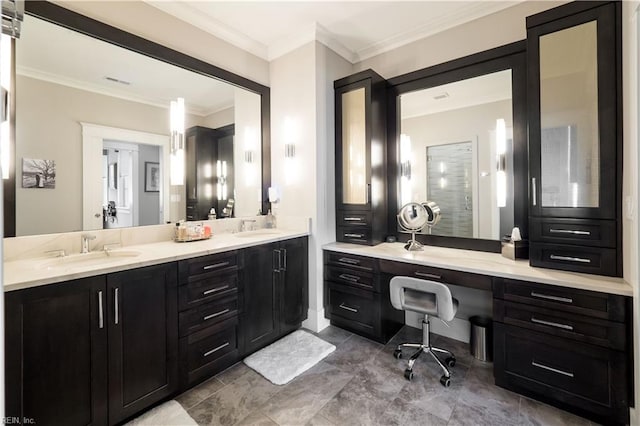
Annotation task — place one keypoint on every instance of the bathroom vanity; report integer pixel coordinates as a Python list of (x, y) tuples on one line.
[(99, 341)]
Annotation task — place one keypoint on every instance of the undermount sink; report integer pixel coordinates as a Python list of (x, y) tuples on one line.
[(88, 259), (257, 233)]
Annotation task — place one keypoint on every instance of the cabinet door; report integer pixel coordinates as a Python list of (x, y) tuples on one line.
[(574, 124), (260, 313), (293, 285), (143, 338), (56, 353), (353, 156)]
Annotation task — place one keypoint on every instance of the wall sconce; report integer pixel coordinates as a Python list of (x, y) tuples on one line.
[(221, 173), (501, 163), (248, 156), (289, 150), (405, 169), (177, 141)]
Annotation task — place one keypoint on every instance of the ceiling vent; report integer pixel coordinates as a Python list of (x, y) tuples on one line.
[(117, 80), (441, 96)]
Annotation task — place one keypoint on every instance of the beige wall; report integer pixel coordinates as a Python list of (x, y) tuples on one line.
[(219, 118), (248, 183)]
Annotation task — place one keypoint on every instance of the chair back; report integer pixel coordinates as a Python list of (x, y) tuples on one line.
[(436, 297)]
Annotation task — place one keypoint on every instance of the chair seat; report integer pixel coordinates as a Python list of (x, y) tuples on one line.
[(423, 303)]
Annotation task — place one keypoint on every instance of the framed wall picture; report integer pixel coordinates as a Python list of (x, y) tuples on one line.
[(151, 177), (38, 173)]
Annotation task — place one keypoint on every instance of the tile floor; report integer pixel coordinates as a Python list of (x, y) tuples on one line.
[(362, 384)]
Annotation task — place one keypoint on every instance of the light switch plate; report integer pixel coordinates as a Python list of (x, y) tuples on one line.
[(629, 207)]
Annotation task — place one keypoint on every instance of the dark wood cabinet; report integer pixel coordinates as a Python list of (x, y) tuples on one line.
[(209, 306), (206, 147), (275, 284), (56, 353), (143, 338), (361, 196), (575, 137), (567, 347), (92, 351)]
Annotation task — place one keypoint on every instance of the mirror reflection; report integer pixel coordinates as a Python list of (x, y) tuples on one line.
[(456, 148), (101, 114)]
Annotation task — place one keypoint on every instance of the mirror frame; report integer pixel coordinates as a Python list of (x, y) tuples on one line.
[(88, 26), (511, 56)]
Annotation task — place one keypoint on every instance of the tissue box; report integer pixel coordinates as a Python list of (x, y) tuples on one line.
[(515, 249)]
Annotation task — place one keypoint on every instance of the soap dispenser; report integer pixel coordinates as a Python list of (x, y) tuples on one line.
[(271, 220)]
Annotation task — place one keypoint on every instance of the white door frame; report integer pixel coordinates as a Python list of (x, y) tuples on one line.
[(93, 136)]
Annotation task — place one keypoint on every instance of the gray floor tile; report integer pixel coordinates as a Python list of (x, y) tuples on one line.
[(408, 334), (354, 353), (319, 420), (364, 399), (199, 393), (257, 418), (402, 413), (233, 373), (538, 414), (459, 349), (303, 397), (235, 401), (334, 335)]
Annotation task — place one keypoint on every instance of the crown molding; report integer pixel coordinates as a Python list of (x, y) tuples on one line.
[(191, 15), (434, 26), (107, 91), (314, 32)]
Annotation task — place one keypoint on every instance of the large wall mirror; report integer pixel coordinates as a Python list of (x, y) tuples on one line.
[(93, 129), (460, 141)]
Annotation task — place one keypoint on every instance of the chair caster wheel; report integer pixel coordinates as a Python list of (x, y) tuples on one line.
[(397, 354), (408, 374), (450, 361), (444, 380)]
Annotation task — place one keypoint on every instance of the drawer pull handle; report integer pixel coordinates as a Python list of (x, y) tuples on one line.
[(217, 314), (353, 219), (426, 275), (214, 290), (351, 278), (534, 192), (214, 350), (216, 265), (349, 261), (348, 308), (569, 231), (554, 298), (570, 258), (554, 370), (354, 235), (552, 324), (100, 311)]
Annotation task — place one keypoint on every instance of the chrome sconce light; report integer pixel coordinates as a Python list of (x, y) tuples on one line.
[(221, 174), (289, 150), (177, 142)]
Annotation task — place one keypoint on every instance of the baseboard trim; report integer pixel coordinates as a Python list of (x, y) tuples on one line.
[(316, 321)]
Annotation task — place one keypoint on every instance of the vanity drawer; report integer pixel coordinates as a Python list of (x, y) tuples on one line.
[(590, 303), (578, 374), (352, 277), (206, 289), (209, 351), (448, 276), (597, 233), (355, 235), (190, 269), (206, 315), (359, 308), (562, 324), (352, 219), (589, 260), (367, 264)]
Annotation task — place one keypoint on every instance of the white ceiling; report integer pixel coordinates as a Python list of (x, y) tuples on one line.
[(354, 29)]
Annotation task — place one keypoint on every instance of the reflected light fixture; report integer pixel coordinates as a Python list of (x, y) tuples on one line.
[(177, 141), (501, 160), (221, 174), (6, 54), (405, 169)]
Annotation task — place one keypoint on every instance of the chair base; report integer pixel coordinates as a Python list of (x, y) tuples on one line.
[(425, 347)]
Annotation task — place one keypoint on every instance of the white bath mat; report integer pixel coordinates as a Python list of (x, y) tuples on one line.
[(282, 361), (170, 413)]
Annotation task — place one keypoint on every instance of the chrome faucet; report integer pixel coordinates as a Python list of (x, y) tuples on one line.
[(85, 242), (244, 222)]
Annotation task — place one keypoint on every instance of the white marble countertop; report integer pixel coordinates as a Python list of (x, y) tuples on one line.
[(493, 264), (32, 272)]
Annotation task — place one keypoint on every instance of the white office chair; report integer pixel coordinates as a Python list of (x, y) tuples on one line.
[(431, 299)]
